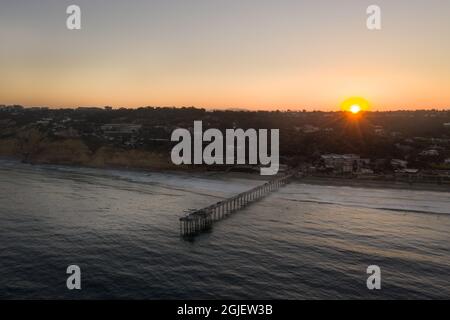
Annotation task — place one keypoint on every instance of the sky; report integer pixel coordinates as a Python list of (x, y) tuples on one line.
[(253, 54)]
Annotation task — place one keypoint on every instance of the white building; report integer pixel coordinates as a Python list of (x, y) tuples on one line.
[(430, 153), (397, 163)]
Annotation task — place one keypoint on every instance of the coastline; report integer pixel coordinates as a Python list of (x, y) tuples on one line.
[(173, 169), (374, 184), (310, 180), (75, 152)]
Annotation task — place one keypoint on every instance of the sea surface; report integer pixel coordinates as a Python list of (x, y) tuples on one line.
[(302, 242)]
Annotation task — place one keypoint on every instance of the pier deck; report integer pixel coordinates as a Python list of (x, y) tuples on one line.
[(199, 220)]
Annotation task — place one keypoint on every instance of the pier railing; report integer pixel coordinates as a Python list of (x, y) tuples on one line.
[(197, 221)]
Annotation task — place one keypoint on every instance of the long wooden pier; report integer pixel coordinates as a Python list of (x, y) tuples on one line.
[(197, 221)]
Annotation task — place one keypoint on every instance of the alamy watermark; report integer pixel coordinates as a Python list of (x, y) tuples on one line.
[(229, 150), (74, 280), (73, 21), (374, 280), (374, 17)]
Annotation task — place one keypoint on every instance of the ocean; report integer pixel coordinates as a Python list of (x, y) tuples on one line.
[(301, 242)]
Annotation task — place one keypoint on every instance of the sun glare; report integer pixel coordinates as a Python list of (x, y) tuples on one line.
[(355, 105), (355, 109)]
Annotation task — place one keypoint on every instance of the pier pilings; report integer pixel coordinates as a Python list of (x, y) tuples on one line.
[(199, 220)]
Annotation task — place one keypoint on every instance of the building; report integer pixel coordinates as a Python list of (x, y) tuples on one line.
[(379, 130), (121, 128), (44, 121), (310, 129), (342, 163), (430, 153), (408, 171), (399, 164), (13, 108)]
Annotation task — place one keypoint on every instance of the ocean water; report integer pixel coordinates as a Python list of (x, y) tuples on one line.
[(302, 242)]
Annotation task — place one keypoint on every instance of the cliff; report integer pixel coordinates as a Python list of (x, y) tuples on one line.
[(33, 147)]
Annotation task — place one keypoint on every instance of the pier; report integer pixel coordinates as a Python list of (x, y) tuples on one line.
[(199, 220)]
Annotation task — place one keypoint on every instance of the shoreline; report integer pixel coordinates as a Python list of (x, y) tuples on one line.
[(182, 170), (373, 184), (323, 181)]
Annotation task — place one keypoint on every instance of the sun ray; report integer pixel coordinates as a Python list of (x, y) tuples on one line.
[(355, 105)]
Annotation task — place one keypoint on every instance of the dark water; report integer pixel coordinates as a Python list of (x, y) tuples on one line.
[(303, 242)]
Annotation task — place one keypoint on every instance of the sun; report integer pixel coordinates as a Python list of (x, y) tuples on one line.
[(355, 109), (355, 105)]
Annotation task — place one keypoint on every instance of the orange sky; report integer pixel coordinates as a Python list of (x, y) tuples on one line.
[(255, 55)]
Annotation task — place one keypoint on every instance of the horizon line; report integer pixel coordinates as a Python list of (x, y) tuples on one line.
[(234, 109)]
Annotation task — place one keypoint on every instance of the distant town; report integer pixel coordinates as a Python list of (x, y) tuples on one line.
[(411, 145)]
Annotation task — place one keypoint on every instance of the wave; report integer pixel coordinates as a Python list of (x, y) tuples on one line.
[(137, 181), (342, 204)]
